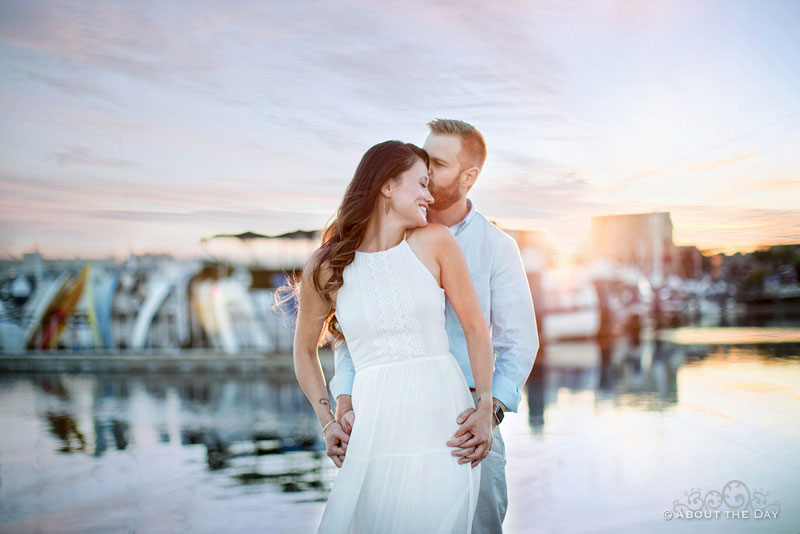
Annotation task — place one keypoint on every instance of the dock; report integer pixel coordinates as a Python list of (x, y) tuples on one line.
[(186, 361)]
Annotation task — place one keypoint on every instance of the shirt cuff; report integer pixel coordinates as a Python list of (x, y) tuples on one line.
[(505, 390), (342, 384)]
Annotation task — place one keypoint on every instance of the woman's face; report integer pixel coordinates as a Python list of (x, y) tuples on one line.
[(410, 196)]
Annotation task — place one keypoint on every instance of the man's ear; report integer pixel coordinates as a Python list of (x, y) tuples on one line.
[(469, 176)]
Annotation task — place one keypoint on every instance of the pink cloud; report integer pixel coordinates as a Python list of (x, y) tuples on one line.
[(720, 163), (769, 185)]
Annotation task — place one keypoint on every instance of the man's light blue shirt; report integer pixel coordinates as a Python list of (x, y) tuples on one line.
[(500, 281)]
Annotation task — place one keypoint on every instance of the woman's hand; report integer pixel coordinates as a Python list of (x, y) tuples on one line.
[(336, 443), (474, 436), (348, 420)]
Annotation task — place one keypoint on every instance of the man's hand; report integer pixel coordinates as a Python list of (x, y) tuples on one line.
[(345, 413), (463, 415), (336, 443), (468, 454), (474, 436)]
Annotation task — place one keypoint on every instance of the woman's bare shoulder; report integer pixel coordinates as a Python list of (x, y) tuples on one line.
[(316, 260), (435, 238), (432, 232)]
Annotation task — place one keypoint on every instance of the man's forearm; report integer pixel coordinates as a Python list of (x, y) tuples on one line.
[(345, 373), (344, 403), (514, 332)]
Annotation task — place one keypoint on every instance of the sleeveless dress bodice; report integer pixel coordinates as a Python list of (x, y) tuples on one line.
[(398, 474), (390, 308)]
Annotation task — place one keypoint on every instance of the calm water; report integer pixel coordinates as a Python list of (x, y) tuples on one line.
[(606, 440)]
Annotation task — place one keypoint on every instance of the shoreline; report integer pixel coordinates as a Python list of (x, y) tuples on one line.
[(185, 361)]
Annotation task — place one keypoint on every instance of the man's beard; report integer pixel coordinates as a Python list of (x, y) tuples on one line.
[(444, 198)]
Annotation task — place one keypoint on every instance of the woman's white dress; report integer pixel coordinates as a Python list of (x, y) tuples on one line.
[(398, 474)]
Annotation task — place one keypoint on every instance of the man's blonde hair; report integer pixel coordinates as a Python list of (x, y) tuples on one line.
[(473, 147)]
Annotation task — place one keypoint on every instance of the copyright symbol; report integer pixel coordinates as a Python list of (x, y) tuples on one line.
[(667, 515)]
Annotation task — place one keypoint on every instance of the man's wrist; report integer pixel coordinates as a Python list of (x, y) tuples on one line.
[(343, 404), (498, 409)]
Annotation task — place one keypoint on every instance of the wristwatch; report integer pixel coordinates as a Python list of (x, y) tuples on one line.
[(498, 414)]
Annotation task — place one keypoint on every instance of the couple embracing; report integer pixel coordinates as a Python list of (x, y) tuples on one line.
[(408, 282)]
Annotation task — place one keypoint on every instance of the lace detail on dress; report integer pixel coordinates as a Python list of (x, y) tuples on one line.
[(390, 312)]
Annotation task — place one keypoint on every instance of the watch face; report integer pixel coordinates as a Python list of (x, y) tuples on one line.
[(498, 414)]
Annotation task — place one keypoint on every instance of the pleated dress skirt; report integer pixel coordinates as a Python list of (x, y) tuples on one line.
[(398, 474)]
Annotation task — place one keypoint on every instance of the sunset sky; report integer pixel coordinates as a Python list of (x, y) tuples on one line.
[(146, 126)]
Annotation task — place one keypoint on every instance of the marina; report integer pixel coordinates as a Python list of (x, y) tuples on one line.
[(159, 394), (168, 170), (187, 361), (243, 303)]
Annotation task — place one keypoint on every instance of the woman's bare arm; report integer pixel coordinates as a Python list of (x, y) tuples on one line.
[(460, 291), (312, 310)]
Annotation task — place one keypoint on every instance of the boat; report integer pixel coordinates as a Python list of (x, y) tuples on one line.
[(65, 304), (570, 308)]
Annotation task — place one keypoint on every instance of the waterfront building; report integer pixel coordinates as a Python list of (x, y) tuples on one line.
[(641, 240)]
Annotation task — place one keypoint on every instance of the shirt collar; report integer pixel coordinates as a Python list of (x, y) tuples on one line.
[(456, 228)]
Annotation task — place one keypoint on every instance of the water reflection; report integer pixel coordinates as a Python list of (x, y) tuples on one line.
[(258, 434), (640, 375), (239, 420), (64, 427)]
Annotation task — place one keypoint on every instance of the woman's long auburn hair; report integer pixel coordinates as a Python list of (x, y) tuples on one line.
[(344, 234)]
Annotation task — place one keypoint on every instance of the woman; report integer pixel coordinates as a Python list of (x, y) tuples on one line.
[(379, 280)]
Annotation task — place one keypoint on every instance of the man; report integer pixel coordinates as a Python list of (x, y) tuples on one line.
[(457, 152)]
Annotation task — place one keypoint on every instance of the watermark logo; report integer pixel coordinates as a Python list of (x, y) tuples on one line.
[(734, 501)]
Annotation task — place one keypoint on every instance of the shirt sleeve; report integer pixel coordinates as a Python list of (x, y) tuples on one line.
[(344, 372), (514, 335)]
